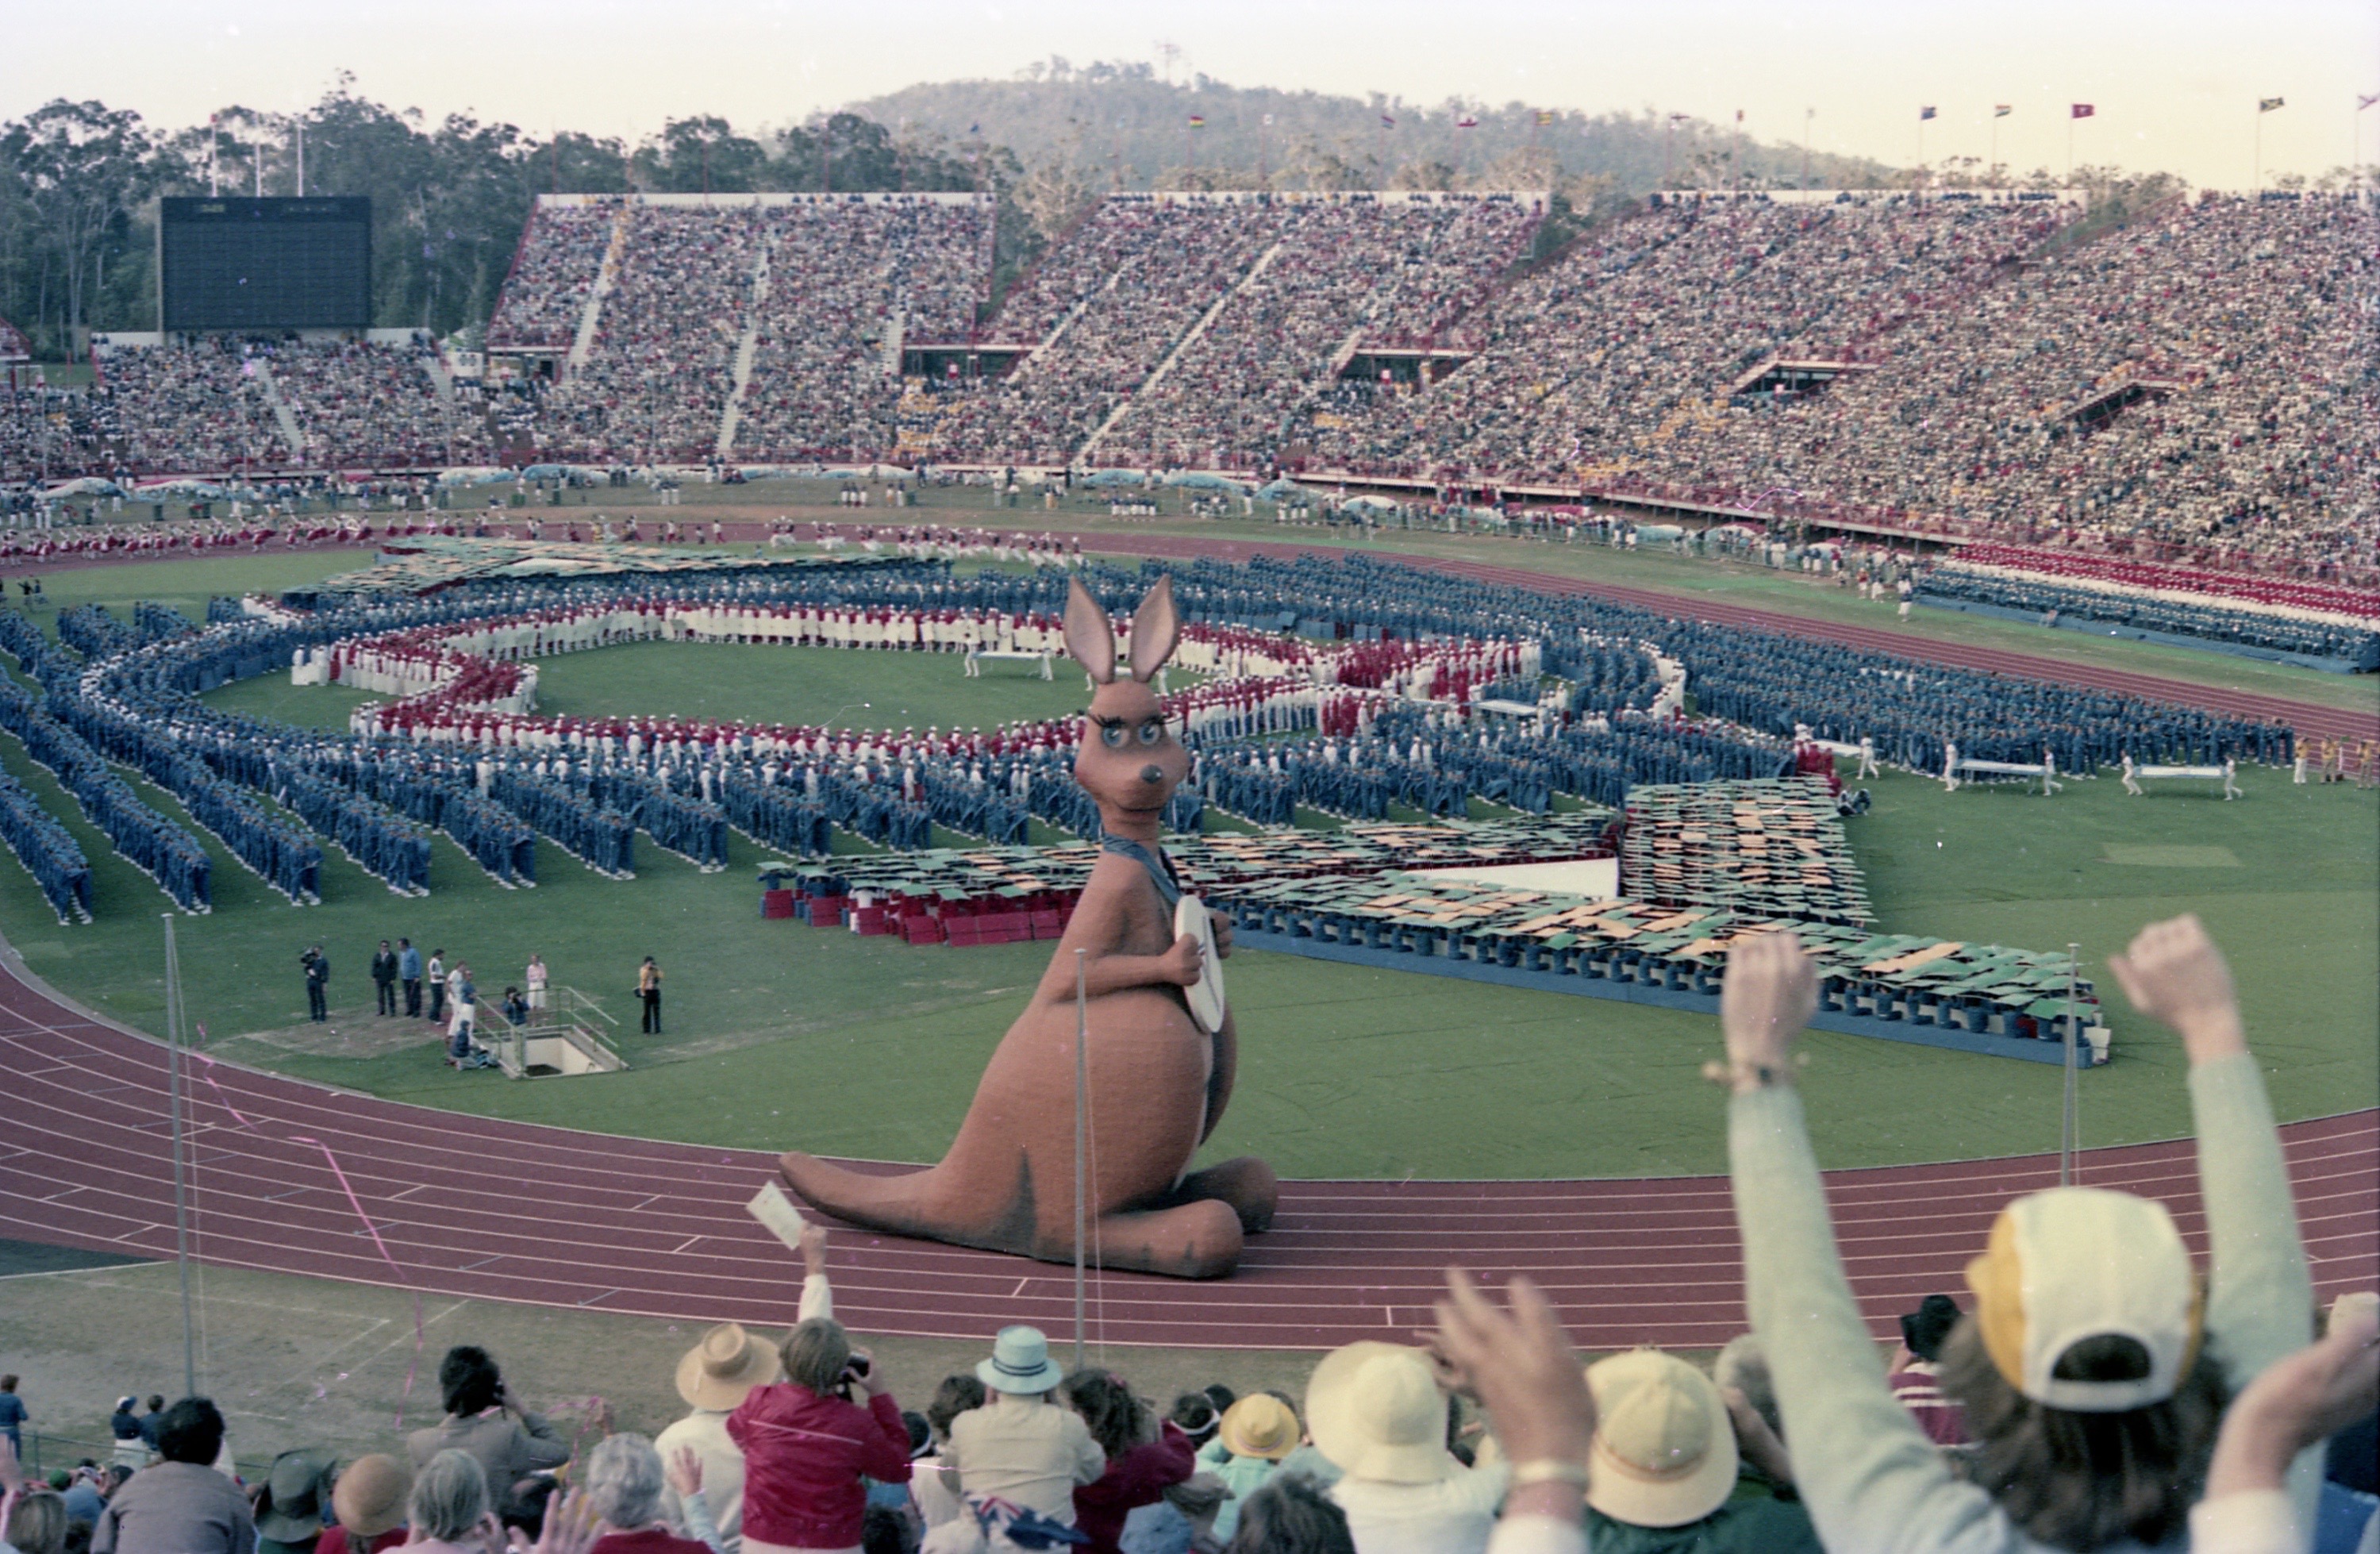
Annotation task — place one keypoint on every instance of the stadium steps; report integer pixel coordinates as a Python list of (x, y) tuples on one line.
[(1123, 405), (282, 414), (747, 347), (590, 318), (442, 384), (1080, 307)]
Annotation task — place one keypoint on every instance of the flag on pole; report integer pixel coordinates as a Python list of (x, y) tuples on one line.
[(2266, 104), (2001, 110), (1546, 115), (1468, 121), (1924, 114), (1739, 115), (1197, 121), (2081, 110), (1387, 121)]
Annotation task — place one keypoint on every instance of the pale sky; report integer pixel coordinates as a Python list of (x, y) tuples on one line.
[(2174, 82)]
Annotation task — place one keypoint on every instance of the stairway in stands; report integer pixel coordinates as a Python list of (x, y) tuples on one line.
[(748, 346), (1187, 340), (282, 413), (590, 317)]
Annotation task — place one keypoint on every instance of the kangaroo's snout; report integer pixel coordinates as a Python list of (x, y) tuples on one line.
[(1152, 774)]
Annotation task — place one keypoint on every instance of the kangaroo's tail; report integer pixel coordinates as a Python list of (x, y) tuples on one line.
[(914, 1203)]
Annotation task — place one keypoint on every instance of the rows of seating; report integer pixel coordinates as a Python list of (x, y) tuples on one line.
[(2196, 390), (826, 376), (560, 259), (1637, 336), (2189, 388)]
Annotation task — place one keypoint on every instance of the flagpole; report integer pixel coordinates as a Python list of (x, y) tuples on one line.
[(1082, 1074), (181, 1153)]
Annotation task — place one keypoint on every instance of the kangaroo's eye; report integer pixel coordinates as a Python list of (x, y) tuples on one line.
[(1151, 732), (1111, 735)]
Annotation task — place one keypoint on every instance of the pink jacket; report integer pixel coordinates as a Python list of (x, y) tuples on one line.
[(803, 1458)]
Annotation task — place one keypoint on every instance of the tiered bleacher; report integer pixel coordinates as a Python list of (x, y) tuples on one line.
[(850, 281), (559, 258), (2196, 387)]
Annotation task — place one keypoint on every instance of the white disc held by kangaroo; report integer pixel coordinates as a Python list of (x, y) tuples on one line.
[(1206, 995)]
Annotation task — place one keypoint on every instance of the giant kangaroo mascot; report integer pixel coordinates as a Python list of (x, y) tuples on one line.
[(1157, 1079)]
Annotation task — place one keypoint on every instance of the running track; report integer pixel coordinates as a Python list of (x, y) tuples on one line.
[(469, 1206), (286, 1173)]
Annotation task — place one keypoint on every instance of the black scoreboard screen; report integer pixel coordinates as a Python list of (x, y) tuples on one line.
[(263, 263)]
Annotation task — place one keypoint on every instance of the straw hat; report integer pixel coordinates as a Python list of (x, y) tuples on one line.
[(1375, 1411), (716, 1373), (1259, 1426), (370, 1497), (1664, 1451)]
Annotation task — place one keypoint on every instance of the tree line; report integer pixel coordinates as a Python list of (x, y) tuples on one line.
[(451, 197)]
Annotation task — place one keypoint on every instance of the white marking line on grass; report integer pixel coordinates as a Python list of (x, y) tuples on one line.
[(56, 1272)]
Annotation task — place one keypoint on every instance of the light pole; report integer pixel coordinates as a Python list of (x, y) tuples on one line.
[(180, 1144)]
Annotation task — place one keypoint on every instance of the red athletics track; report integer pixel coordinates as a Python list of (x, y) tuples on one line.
[(469, 1207)]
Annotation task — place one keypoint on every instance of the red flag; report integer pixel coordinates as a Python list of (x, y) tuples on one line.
[(1466, 122), (2081, 110)]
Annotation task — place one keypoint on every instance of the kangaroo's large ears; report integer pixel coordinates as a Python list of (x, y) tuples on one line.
[(1089, 636), (1156, 628)]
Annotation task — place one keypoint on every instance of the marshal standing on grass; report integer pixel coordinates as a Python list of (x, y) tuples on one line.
[(648, 990), (317, 978)]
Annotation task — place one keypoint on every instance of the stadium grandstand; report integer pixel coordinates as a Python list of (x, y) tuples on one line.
[(2192, 388)]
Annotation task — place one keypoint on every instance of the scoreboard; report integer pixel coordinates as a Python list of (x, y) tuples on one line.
[(266, 264)]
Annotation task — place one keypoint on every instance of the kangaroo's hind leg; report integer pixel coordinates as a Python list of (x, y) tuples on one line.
[(1246, 1186), (1201, 1240)]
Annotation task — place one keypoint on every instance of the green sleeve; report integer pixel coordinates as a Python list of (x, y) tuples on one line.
[(1868, 1476), (2260, 1295)]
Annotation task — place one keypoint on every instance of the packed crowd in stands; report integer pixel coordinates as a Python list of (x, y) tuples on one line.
[(2186, 387), (372, 405), (826, 375), (2052, 1406), (658, 380), (200, 408), (1639, 332), (1344, 275), (1106, 306), (2244, 325), (561, 257)]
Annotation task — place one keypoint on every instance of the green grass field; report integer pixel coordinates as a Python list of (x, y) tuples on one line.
[(781, 1035)]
